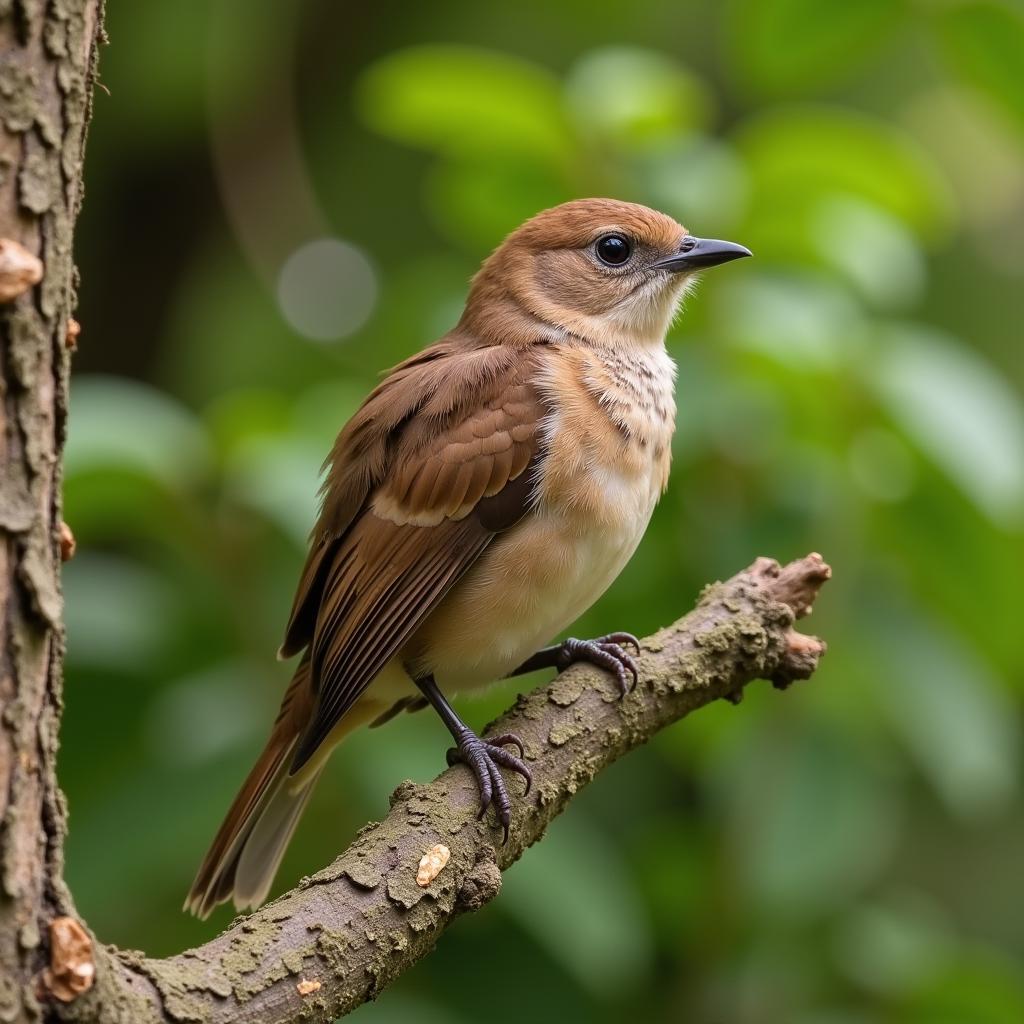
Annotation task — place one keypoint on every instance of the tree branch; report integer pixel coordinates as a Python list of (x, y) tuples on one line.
[(343, 935)]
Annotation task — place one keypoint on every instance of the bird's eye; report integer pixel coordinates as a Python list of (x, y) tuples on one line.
[(613, 250)]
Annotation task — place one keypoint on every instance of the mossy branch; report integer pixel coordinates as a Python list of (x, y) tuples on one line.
[(343, 935)]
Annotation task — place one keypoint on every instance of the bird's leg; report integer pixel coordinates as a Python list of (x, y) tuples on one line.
[(483, 757), (607, 652)]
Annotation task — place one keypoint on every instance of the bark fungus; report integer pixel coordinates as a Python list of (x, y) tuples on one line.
[(19, 269), (72, 970)]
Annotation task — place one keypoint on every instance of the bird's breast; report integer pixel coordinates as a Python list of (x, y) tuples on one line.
[(529, 585), (605, 464), (608, 435)]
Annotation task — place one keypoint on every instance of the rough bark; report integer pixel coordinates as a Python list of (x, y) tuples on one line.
[(341, 936), (47, 54)]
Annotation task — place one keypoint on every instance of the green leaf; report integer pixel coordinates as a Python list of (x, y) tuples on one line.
[(981, 988), (699, 182), (947, 705), (269, 473), (984, 42), (893, 946), (786, 45), (121, 424), (195, 719), (117, 612), (479, 202), (401, 1007), (871, 249), (634, 97), (804, 321), (577, 899), (799, 156), (811, 820), (462, 101), (235, 417), (961, 411)]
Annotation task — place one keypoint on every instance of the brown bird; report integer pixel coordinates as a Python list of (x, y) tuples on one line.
[(486, 493)]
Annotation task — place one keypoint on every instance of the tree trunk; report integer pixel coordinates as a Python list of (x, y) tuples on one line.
[(47, 62)]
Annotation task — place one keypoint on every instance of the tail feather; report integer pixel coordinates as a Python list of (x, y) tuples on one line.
[(265, 790), (264, 813), (260, 857), (247, 850)]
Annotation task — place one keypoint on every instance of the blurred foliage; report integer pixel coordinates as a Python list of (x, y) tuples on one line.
[(847, 854)]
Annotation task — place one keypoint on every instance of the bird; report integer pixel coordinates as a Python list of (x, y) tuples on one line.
[(483, 496)]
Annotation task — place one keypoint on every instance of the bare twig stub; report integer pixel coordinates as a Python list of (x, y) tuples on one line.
[(363, 921)]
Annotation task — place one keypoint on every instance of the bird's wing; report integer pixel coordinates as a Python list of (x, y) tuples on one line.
[(458, 469)]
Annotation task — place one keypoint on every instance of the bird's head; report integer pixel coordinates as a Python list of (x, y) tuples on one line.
[(606, 271)]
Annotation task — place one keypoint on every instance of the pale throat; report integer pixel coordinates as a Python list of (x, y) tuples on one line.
[(646, 316), (642, 318)]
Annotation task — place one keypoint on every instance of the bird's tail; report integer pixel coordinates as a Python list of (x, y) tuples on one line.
[(247, 850)]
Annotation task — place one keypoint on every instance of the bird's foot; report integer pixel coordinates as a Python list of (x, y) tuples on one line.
[(483, 757), (607, 652)]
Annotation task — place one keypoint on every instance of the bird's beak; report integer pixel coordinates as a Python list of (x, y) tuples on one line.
[(698, 253)]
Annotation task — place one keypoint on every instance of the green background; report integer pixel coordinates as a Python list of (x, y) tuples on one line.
[(849, 852)]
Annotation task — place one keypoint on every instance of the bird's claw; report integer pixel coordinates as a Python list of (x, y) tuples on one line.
[(607, 652), (483, 758)]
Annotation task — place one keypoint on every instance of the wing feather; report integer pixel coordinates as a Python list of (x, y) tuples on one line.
[(380, 618), (456, 469)]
